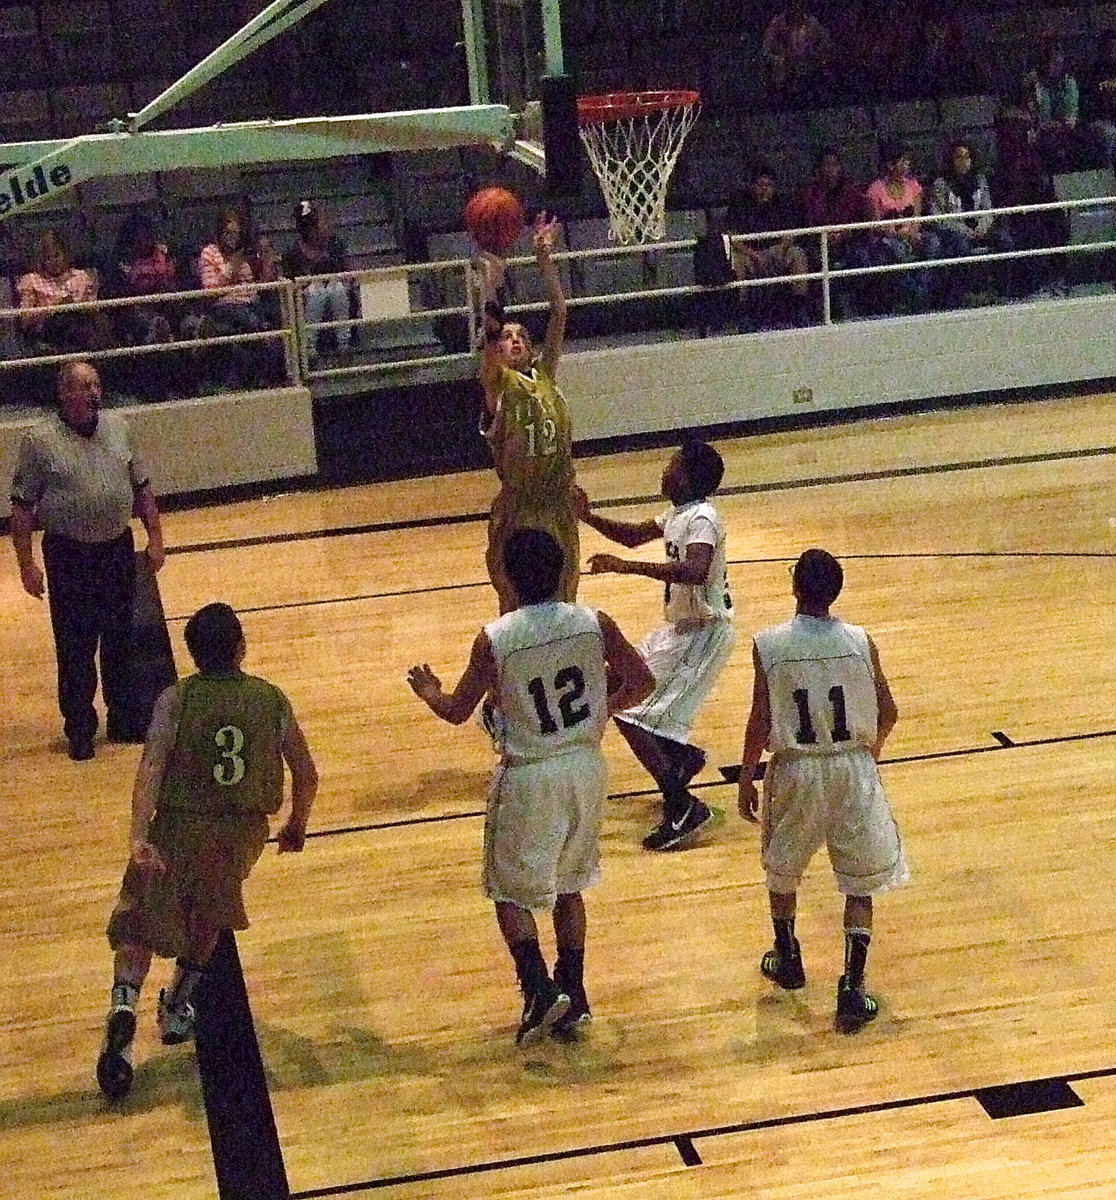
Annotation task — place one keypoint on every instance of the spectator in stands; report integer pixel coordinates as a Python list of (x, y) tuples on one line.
[(52, 283), (142, 265), (1053, 94), (1098, 100), (796, 52), (715, 307), (1021, 178), (962, 188), (898, 194), (762, 209), (832, 198), (318, 252), (237, 259)]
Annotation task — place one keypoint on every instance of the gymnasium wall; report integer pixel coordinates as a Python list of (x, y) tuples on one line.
[(209, 442), (679, 384), (257, 437)]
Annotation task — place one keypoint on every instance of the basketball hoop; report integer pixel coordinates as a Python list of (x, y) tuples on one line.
[(633, 140)]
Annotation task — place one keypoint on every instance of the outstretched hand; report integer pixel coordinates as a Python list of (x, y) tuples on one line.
[(424, 683), (605, 564), (544, 232)]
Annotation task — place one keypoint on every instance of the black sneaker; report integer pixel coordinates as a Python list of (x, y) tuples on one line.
[(175, 1023), (673, 831), (577, 1018), (122, 735), (787, 973), (114, 1071), (543, 1009), (855, 1008), (81, 748)]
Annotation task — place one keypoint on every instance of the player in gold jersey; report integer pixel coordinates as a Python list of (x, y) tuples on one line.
[(210, 776), (527, 423)]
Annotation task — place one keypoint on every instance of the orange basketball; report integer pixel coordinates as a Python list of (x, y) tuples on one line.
[(494, 217)]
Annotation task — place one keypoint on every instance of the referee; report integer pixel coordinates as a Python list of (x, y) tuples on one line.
[(78, 479)]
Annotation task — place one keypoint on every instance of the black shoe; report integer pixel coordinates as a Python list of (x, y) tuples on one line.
[(578, 1015), (673, 831), (855, 1008), (114, 1071), (124, 737), (81, 748), (787, 973), (543, 1009), (176, 1025)]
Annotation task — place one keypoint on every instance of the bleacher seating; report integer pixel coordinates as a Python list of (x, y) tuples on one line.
[(1088, 224), (69, 65), (22, 62)]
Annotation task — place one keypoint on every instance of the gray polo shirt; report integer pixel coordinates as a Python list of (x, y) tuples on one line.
[(81, 487)]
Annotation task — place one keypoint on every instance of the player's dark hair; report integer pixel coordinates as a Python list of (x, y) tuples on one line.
[(818, 578), (213, 637), (533, 560), (704, 468)]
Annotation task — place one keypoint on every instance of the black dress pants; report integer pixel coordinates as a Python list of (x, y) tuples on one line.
[(90, 588)]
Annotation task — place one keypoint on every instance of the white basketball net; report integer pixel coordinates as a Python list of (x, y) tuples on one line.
[(633, 157)]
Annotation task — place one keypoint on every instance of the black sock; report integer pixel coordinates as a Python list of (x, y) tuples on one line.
[(784, 936), (530, 968), (676, 803), (569, 970), (856, 955), (680, 761)]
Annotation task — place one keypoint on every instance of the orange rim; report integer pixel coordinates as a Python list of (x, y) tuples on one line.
[(613, 106)]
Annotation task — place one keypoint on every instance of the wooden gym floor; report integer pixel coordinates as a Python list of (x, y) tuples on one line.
[(980, 549)]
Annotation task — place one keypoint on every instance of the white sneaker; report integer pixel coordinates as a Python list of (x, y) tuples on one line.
[(176, 1025)]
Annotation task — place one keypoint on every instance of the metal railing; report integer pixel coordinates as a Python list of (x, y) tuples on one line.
[(439, 300)]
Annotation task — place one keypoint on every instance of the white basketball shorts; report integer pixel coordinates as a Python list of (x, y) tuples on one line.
[(834, 800), (686, 661), (542, 828)]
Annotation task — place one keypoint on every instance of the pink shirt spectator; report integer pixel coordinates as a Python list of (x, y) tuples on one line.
[(884, 203), (48, 291), (217, 271), (43, 291)]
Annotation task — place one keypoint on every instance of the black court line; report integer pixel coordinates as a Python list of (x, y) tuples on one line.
[(358, 597), (1024, 1088), (730, 775), (354, 598), (309, 535), (688, 1151), (247, 1157), (1002, 738), (743, 489), (1021, 1099)]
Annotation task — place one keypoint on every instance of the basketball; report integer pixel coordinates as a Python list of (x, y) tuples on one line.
[(494, 218)]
